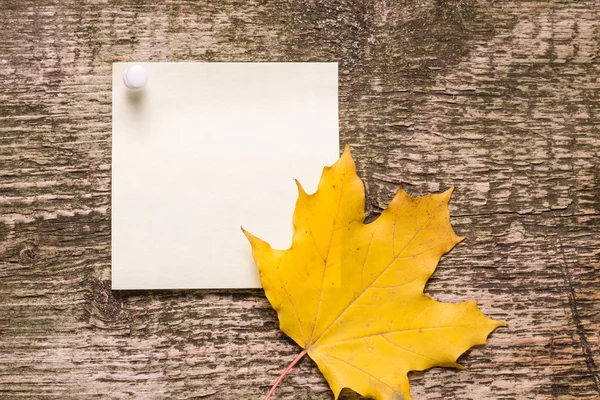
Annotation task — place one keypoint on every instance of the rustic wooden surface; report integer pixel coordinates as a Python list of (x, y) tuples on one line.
[(500, 98)]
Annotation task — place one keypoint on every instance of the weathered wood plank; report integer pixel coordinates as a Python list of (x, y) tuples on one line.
[(500, 99)]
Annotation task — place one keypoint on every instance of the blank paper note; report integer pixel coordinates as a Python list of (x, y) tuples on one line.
[(204, 149)]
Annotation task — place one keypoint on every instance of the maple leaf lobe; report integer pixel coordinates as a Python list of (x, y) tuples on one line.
[(351, 293)]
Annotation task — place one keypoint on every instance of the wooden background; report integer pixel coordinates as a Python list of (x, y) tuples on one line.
[(500, 98)]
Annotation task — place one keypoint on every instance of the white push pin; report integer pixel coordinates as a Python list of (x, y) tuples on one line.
[(136, 77)]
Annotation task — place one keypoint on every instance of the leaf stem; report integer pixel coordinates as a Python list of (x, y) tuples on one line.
[(284, 373)]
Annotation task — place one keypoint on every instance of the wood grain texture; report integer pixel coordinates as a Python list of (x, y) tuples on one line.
[(499, 98)]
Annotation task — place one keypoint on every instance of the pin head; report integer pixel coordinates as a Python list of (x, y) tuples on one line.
[(135, 77)]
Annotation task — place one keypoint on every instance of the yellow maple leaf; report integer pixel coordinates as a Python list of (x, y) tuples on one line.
[(351, 294)]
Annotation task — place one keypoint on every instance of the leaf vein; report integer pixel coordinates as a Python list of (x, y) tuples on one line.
[(382, 272), (402, 330), (291, 302), (363, 371), (326, 260), (409, 351)]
